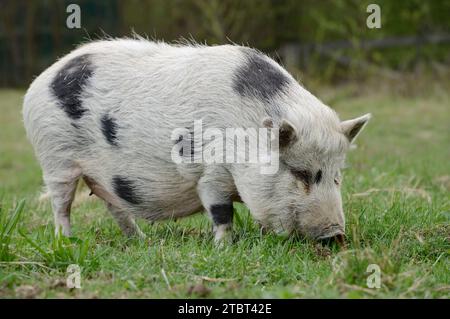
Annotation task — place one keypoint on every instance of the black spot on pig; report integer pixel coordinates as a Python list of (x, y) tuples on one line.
[(109, 129), (258, 77), (69, 83), (222, 214), (126, 189)]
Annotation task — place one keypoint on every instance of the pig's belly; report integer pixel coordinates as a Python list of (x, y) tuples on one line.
[(137, 189)]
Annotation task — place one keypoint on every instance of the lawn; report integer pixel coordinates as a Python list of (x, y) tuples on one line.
[(396, 201)]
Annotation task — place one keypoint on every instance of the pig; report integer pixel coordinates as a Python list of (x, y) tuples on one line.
[(105, 113)]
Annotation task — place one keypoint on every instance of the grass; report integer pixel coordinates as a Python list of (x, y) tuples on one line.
[(396, 198)]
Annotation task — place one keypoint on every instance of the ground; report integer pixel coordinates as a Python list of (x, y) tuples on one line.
[(396, 201)]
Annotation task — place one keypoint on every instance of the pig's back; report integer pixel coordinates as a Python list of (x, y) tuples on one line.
[(141, 85)]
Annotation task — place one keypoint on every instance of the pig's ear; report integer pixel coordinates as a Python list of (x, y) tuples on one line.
[(287, 133), (351, 128)]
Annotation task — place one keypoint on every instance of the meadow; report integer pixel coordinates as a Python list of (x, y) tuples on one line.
[(396, 200)]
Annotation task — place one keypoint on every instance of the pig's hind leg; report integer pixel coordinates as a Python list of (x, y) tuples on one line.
[(62, 189), (126, 222), (124, 219)]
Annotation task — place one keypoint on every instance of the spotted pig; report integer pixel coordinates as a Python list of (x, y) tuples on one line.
[(106, 112)]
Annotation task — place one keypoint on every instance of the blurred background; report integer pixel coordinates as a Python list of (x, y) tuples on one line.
[(321, 42)]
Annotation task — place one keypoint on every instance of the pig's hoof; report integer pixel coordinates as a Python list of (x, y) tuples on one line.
[(224, 242), (222, 234), (139, 234), (135, 233), (223, 238)]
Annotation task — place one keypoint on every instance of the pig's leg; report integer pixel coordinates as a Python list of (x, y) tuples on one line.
[(216, 189), (126, 222), (62, 192)]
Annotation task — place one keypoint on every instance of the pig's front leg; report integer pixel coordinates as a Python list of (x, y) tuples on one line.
[(216, 190)]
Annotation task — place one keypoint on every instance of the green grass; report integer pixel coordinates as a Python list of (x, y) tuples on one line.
[(396, 199)]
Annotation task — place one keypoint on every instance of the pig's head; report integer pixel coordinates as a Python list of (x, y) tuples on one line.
[(304, 196)]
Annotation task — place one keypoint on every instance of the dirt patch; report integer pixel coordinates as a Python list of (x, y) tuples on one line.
[(27, 291), (199, 290), (322, 251), (443, 181)]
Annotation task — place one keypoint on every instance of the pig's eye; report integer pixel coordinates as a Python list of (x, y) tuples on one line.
[(337, 181), (303, 175)]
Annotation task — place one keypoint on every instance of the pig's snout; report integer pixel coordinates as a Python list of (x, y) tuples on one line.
[(334, 234)]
